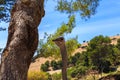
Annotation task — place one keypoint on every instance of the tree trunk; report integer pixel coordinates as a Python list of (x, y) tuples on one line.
[(64, 62), (60, 42), (22, 39)]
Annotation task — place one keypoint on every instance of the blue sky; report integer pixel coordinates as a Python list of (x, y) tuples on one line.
[(106, 22)]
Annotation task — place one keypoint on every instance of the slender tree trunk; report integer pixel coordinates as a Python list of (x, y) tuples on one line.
[(22, 39), (60, 42), (64, 62)]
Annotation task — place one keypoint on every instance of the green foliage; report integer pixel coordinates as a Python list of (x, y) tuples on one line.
[(79, 59), (5, 7), (78, 71), (71, 45), (47, 63), (86, 60), (64, 29), (86, 8), (45, 67), (59, 63), (56, 76), (49, 48), (118, 44), (99, 40), (73, 59), (105, 66), (2, 2), (56, 64), (99, 51), (101, 55), (116, 56), (36, 75)]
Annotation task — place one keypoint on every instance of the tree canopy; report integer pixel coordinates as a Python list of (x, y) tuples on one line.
[(98, 50), (5, 7), (86, 8)]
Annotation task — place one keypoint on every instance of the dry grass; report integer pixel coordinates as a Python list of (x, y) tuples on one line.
[(37, 75), (35, 66)]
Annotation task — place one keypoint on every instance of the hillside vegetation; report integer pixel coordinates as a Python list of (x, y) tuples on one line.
[(90, 61)]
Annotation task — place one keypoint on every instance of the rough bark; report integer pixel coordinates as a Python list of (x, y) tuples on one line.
[(64, 62), (22, 39), (60, 42)]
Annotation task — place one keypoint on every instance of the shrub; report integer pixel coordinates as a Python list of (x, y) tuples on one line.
[(37, 75), (56, 76), (47, 63), (59, 63), (79, 71), (73, 59), (106, 67), (44, 67), (54, 65)]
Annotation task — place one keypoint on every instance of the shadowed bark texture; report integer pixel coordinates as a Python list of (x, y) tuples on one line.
[(22, 39), (60, 42)]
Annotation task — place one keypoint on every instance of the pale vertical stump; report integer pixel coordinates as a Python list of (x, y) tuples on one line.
[(60, 42)]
